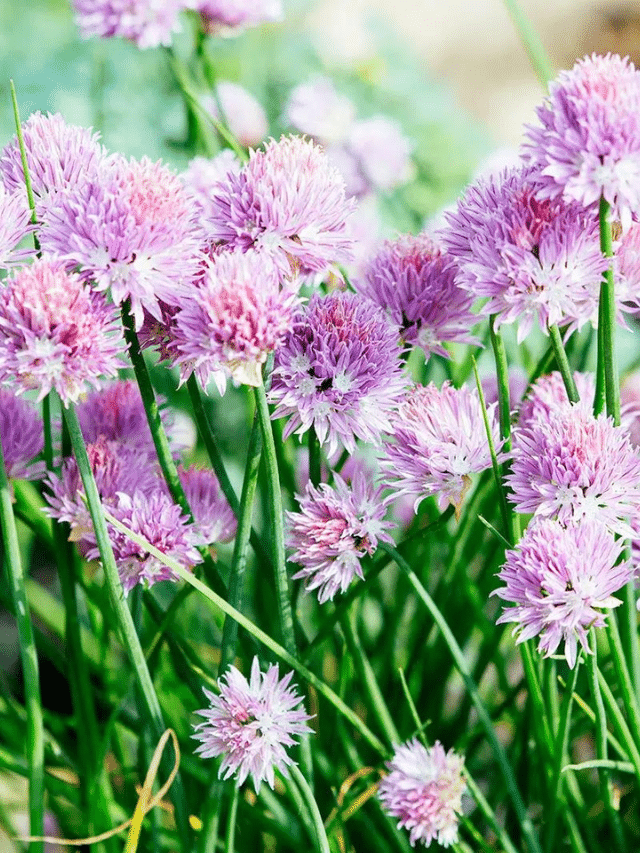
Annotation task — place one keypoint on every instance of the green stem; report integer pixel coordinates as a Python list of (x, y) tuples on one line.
[(160, 440), (502, 375), (241, 544), (606, 343), (315, 475), (275, 647), (274, 496), (116, 596), (229, 841), (562, 738), (629, 618), (314, 811), (532, 43), (563, 364), (620, 724), (485, 720), (628, 694), (34, 741), (25, 165)]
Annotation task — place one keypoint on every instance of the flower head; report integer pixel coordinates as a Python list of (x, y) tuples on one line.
[(573, 466), (288, 202), (154, 516), (317, 109), (237, 316), (22, 437), (15, 217), (250, 723), (382, 152), (59, 157), (231, 15), (214, 520), (560, 578), (244, 114), (146, 23), (587, 142), (338, 370), (548, 394), (438, 440), (116, 413), (56, 333), (424, 789), (336, 526), (133, 229), (204, 173), (534, 260), (415, 282)]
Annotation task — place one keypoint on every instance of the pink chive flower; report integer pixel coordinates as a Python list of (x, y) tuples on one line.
[(146, 23), (587, 142), (235, 318), (204, 173), (229, 16), (627, 269), (243, 113), (548, 394), (59, 157), (382, 152), (438, 440), (117, 468), (316, 108), (560, 578), (250, 723), (339, 371), (133, 230), (287, 202), (155, 517), (415, 282), (214, 520), (15, 217), (572, 466), (116, 414), (55, 333), (22, 436), (336, 526), (535, 261), (424, 789)]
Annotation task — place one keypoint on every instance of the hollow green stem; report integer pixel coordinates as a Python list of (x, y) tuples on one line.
[(524, 820), (274, 495), (230, 836), (249, 626), (241, 544), (34, 741), (312, 806), (123, 616), (607, 360), (627, 746), (502, 375), (563, 364), (627, 692), (314, 457), (23, 158), (531, 42)]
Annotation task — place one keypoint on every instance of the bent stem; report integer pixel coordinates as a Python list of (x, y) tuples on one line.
[(312, 806), (563, 364), (607, 360), (524, 820), (123, 615), (34, 743)]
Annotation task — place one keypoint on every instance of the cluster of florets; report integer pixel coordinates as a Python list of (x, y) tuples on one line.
[(415, 282), (339, 371), (372, 154), (21, 436), (336, 527)]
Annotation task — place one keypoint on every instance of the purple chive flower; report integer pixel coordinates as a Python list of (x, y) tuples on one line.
[(22, 436), (587, 142), (438, 441), (116, 414), (227, 16), (146, 23), (336, 526), (560, 578), (55, 333), (339, 371), (424, 789), (204, 173), (250, 723), (534, 260), (382, 152), (235, 318), (59, 156), (630, 407), (214, 520), (548, 394), (155, 517), (244, 114), (117, 468), (287, 202), (15, 217), (316, 109), (132, 229), (415, 282), (572, 466), (627, 269)]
